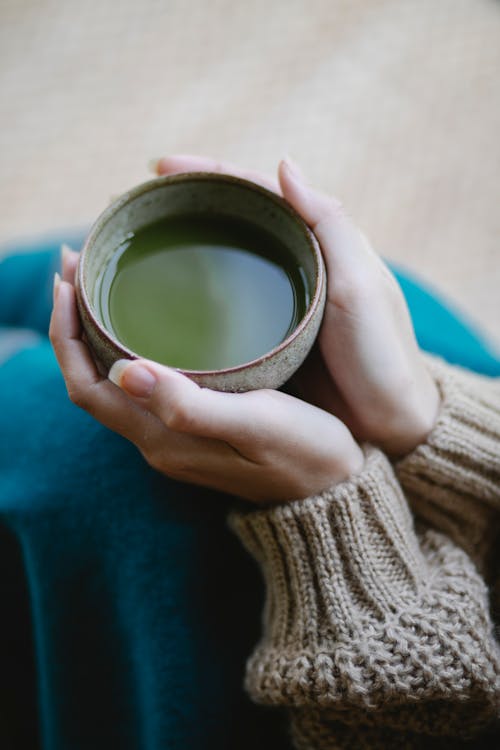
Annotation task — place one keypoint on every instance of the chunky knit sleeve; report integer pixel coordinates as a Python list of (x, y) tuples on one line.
[(368, 622), (453, 479)]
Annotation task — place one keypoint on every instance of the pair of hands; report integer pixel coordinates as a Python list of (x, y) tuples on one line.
[(364, 381)]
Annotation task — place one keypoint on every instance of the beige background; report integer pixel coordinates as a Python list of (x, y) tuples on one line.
[(392, 104)]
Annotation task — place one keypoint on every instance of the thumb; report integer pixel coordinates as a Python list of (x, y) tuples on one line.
[(180, 404), (344, 247)]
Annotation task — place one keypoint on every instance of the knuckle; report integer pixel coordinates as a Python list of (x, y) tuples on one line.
[(347, 292), (79, 397), (54, 338), (179, 417), (154, 458)]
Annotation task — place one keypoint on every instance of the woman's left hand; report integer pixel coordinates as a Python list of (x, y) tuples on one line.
[(265, 446), (367, 368)]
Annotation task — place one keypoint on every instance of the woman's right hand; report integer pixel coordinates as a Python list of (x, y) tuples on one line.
[(265, 446), (367, 368)]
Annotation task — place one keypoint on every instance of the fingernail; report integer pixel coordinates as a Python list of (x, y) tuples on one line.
[(153, 165), (294, 168), (57, 282), (65, 249), (138, 381), (116, 370)]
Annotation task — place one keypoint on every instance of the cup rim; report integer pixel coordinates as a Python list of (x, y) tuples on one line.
[(144, 187)]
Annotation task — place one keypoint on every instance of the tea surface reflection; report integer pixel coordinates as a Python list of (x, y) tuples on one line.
[(201, 292)]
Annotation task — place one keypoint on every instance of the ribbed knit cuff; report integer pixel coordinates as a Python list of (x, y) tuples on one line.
[(349, 554), (359, 610), (336, 566), (455, 474)]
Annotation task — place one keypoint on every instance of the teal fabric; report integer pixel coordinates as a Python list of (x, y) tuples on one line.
[(442, 329), (129, 608)]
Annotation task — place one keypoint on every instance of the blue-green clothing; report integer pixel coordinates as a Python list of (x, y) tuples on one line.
[(128, 607)]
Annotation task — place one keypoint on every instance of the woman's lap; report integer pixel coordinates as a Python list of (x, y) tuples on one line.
[(143, 605)]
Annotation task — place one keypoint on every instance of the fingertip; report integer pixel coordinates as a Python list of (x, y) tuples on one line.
[(289, 168), (161, 166), (313, 205), (133, 377), (69, 262), (154, 164), (137, 380), (65, 251), (57, 283), (297, 191), (116, 371), (179, 163), (170, 164), (140, 377)]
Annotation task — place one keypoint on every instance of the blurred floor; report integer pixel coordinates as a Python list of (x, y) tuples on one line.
[(392, 104)]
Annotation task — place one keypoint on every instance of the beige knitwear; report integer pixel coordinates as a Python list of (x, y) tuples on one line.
[(376, 628), (453, 480)]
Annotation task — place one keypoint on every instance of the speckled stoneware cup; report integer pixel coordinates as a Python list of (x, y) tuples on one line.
[(205, 193)]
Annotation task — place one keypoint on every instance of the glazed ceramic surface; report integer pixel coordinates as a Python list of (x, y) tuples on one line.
[(205, 193)]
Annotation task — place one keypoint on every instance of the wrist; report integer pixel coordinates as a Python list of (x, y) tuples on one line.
[(334, 470), (354, 463), (413, 423), (341, 468)]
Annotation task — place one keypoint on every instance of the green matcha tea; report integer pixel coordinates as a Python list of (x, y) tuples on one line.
[(201, 292)]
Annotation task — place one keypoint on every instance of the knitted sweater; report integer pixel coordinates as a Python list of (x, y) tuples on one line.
[(377, 630)]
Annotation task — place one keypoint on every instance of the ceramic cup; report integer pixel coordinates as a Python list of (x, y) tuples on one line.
[(205, 193)]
